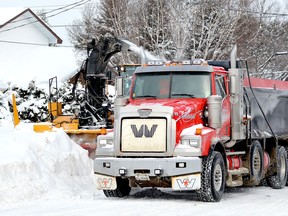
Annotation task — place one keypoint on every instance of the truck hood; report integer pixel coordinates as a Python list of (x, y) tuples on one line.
[(182, 107)]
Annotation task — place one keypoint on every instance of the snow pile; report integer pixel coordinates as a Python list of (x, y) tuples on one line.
[(33, 165)]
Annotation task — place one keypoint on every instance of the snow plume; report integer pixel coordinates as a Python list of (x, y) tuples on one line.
[(33, 165), (144, 54)]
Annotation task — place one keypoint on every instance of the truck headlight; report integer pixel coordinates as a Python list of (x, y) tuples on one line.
[(105, 141), (191, 141)]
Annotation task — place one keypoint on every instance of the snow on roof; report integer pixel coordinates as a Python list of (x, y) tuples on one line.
[(23, 17), (20, 64)]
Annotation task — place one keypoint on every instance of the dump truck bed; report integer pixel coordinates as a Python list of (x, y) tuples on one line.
[(272, 96)]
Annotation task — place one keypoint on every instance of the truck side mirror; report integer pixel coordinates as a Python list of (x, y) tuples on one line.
[(119, 87)]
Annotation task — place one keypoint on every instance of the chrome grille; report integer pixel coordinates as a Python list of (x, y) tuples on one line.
[(144, 135)]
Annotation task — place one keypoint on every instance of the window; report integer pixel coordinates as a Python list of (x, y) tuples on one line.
[(220, 86), (152, 85), (174, 84), (195, 85)]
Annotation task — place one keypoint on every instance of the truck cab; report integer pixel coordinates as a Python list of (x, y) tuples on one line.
[(185, 126), (184, 87), (166, 124)]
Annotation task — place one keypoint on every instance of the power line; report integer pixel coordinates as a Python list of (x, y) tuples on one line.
[(66, 25), (258, 12), (76, 4), (68, 9), (45, 6), (32, 44), (60, 8)]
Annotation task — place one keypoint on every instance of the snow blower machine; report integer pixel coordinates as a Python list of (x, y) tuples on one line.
[(94, 114)]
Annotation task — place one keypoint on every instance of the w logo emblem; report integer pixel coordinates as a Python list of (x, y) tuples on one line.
[(144, 130)]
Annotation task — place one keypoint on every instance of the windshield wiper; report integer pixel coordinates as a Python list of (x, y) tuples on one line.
[(144, 96), (182, 94)]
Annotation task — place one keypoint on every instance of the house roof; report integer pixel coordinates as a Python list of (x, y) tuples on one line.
[(23, 62), (27, 14)]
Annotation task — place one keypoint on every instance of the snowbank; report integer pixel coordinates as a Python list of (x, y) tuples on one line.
[(35, 165)]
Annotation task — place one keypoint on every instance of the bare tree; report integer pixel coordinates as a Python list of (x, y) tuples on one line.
[(213, 26), (154, 29), (180, 26), (85, 29), (42, 14), (267, 36), (190, 29), (117, 20)]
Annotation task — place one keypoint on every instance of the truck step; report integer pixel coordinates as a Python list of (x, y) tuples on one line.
[(235, 177), (235, 153)]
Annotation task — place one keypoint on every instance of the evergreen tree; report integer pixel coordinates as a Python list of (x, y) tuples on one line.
[(4, 108), (68, 100), (32, 103)]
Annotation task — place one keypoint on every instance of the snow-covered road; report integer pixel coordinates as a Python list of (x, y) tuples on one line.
[(237, 201), (47, 174)]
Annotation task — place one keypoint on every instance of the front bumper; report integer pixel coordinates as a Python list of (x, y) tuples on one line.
[(169, 167)]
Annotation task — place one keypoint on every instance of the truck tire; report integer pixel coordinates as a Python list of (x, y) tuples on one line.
[(256, 164), (279, 179), (123, 189), (286, 148), (212, 178)]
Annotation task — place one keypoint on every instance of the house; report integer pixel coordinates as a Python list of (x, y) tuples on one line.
[(30, 50)]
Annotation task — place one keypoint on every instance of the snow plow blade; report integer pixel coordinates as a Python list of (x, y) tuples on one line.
[(86, 138)]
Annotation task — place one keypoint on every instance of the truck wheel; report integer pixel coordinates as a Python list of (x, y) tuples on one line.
[(123, 189), (212, 178), (255, 164), (279, 179), (286, 148)]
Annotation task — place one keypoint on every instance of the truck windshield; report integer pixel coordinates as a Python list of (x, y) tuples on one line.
[(172, 85)]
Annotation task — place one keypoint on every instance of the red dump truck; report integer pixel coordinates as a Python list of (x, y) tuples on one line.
[(193, 126)]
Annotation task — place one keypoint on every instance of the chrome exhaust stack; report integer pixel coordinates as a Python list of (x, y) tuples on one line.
[(236, 100)]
